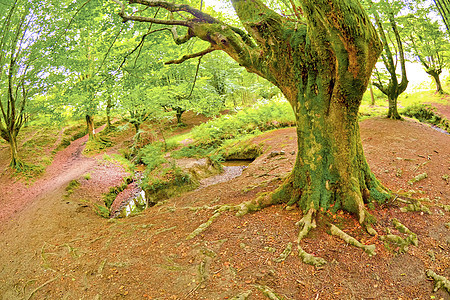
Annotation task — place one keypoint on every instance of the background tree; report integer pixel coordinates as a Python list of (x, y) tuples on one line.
[(387, 80), (322, 61), (85, 55), (25, 39), (428, 44)]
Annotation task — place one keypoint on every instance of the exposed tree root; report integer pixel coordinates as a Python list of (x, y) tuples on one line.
[(242, 296), (310, 259), (439, 281), (284, 254), (268, 292), (414, 206), (306, 223), (402, 243), (40, 287), (369, 249), (205, 225)]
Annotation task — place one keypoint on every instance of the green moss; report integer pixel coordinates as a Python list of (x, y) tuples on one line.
[(378, 196)]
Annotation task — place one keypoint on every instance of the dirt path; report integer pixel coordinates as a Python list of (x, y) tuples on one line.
[(60, 248), (67, 165)]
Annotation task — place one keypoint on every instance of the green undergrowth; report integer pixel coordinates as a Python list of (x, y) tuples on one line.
[(100, 143), (166, 181), (260, 117), (228, 136), (428, 114), (28, 171), (35, 143)]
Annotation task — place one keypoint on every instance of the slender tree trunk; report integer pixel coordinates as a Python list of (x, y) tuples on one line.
[(137, 136), (108, 113), (393, 112), (437, 81), (12, 139), (90, 127), (372, 98), (179, 112)]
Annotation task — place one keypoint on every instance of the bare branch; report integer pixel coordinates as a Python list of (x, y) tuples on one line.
[(189, 56), (140, 44)]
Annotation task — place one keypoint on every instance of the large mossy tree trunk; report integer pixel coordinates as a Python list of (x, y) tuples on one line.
[(322, 63)]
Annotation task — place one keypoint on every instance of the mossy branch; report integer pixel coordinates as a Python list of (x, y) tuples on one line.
[(189, 56), (369, 249)]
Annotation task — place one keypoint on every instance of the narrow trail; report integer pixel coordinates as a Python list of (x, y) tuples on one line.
[(67, 165)]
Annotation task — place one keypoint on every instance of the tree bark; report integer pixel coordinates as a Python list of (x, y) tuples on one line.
[(437, 81), (372, 98), (108, 113), (179, 111), (90, 127), (12, 139), (393, 112)]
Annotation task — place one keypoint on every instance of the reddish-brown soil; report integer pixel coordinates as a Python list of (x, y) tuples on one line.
[(57, 247)]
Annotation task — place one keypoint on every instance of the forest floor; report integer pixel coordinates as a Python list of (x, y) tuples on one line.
[(54, 246)]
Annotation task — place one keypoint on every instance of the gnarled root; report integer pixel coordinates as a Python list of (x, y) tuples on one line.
[(439, 281), (369, 249), (285, 254), (263, 201), (411, 239), (307, 223), (268, 292)]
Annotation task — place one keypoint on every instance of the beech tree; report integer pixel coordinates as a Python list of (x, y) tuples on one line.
[(321, 58), (387, 80), (429, 45), (24, 42)]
